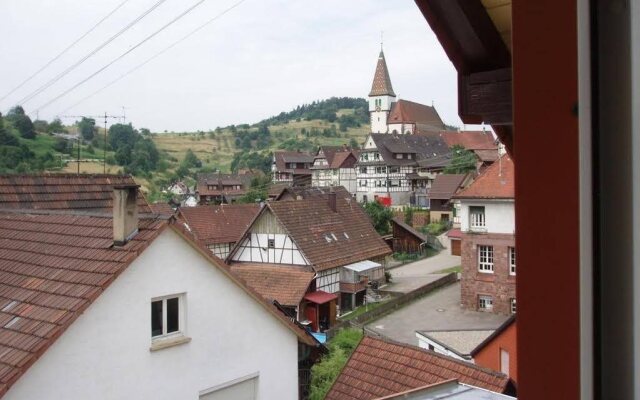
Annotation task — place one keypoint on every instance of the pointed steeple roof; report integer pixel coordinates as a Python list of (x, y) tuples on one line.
[(381, 81)]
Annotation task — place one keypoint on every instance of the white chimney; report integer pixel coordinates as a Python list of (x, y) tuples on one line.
[(125, 213)]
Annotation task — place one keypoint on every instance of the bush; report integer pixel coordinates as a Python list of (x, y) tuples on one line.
[(324, 373), (435, 228), (388, 277)]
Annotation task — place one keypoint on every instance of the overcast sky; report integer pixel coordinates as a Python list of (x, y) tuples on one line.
[(261, 58)]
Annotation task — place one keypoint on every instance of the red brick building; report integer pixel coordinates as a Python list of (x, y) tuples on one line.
[(488, 279)]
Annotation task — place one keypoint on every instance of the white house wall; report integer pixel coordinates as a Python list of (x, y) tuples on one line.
[(105, 353), (424, 343), (499, 215), (255, 247)]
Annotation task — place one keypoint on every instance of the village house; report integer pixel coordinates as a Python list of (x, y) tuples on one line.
[(487, 219), (458, 344), (396, 168), (380, 367), (335, 166), (307, 192), (482, 143), (328, 234), (219, 227), (293, 167), (440, 193), (135, 291), (407, 239), (499, 350), (217, 188)]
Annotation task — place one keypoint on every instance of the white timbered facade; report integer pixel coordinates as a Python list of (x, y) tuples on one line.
[(268, 242), (335, 167)]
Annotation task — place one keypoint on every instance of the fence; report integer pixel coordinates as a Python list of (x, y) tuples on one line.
[(393, 304)]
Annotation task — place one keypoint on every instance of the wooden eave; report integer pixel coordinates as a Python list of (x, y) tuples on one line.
[(477, 49)]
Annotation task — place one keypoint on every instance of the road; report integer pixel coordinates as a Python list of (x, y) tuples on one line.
[(413, 275)]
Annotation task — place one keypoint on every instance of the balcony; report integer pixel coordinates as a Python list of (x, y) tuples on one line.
[(348, 287)]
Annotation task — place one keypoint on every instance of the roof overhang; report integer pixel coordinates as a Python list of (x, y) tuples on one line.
[(473, 34), (320, 297), (362, 266)]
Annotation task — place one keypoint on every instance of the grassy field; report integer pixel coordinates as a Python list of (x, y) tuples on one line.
[(216, 149)]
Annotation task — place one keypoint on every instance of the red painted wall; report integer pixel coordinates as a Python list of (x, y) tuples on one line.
[(489, 356), (545, 94)]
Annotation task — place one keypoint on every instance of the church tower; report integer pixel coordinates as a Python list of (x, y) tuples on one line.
[(381, 97)]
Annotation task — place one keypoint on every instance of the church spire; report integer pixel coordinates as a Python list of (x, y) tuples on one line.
[(381, 82)]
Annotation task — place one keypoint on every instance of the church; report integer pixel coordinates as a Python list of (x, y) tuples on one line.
[(401, 116)]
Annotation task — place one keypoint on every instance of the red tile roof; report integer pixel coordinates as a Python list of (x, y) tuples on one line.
[(320, 297), (218, 182), (470, 140), (283, 157), (381, 81), (330, 239), (445, 186), (285, 284), (63, 192), (455, 234), (380, 368), (219, 224), (162, 209), (405, 111), (496, 182), (52, 267)]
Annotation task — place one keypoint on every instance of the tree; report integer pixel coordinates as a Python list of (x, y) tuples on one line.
[(21, 122), (191, 160), (6, 138), (380, 216), (462, 161), (254, 195), (87, 128), (55, 126), (353, 143)]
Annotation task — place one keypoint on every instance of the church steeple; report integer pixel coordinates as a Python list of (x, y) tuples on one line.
[(381, 81), (381, 97)]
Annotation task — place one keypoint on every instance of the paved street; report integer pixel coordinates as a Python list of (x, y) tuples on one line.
[(439, 310), (413, 275)]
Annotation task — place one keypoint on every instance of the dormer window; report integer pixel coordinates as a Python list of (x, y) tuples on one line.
[(409, 156), (399, 156)]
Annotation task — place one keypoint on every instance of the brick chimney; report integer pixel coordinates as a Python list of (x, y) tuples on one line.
[(332, 201), (125, 213)]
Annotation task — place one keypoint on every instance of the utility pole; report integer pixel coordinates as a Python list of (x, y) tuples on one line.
[(95, 117)]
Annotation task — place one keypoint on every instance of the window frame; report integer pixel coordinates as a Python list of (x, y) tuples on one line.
[(477, 219), (512, 260), (483, 299), (181, 317), (512, 305), (487, 266)]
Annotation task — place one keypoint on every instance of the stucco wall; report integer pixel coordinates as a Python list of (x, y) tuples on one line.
[(489, 356), (105, 353), (499, 215)]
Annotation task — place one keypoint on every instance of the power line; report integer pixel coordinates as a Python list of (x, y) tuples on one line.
[(54, 59), (132, 70), (86, 57), (165, 26)]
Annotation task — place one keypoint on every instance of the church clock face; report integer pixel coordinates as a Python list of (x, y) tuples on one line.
[(377, 108)]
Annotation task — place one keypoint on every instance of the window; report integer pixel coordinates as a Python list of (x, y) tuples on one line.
[(399, 156), (363, 183), (485, 303), (394, 170), (409, 156), (363, 170), (512, 260), (485, 259), (271, 243), (476, 218), (166, 316), (504, 361), (381, 170), (376, 156), (513, 305), (430, 347)]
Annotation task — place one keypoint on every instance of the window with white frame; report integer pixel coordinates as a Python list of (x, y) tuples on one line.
[(485, 303), (512, 260), (363, 170), (476, 217), (167, 317), (485, 259), (399, 156), (513, 305)]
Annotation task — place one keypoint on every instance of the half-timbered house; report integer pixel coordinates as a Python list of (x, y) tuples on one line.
[(399, 167), (329, 234), (335, 166), (291, 167)]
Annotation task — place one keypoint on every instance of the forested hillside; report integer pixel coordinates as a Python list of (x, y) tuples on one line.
[(159, 158)]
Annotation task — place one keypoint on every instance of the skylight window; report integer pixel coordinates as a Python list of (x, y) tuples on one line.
[(334, 237), (345, 235), (327, 238)]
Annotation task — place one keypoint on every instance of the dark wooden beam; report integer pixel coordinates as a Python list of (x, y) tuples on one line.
[(486, 97)]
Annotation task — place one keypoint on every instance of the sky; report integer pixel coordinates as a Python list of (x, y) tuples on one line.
[(256, 60)]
